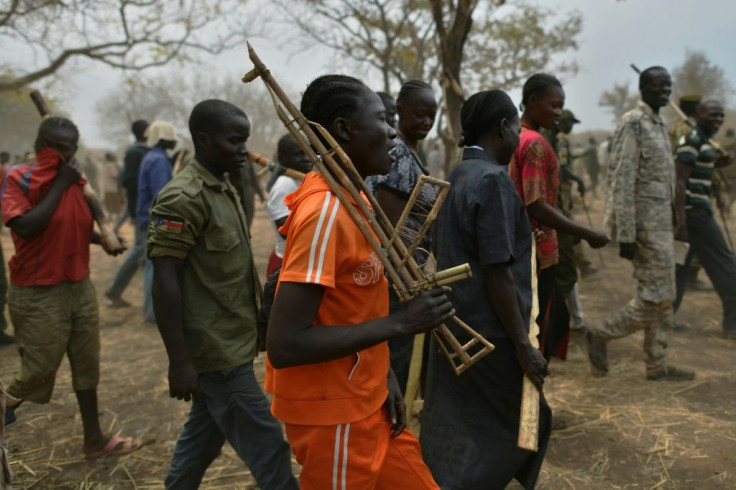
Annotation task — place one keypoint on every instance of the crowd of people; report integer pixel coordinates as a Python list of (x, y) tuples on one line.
[(338, 339)]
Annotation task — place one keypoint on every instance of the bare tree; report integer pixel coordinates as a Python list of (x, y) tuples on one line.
[(171, 98), (128, 34), (698, 75), (619, 100), (394, 37), (438, 41)]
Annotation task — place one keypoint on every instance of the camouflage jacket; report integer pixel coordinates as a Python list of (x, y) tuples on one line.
[(680, 129), (562, 148), (641, 176)]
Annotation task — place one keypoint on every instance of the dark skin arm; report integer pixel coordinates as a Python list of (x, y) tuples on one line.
[(549, 216), (391, 203), (35, 220), (682, 173), (279, 223), (502, 293), (723, 159), (293, 339), (396, 404), (167, 305)]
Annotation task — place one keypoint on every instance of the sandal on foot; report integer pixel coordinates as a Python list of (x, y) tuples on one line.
[(116, 446)]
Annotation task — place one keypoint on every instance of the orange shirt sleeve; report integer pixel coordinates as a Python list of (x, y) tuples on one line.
[(312, 254)]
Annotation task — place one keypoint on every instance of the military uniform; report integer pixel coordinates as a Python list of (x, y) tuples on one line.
[(197, 218), (571, 251), (565, 156), (681, 129), (639, 209)]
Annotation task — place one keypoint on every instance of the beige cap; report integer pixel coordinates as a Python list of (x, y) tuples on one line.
[(159, 130)]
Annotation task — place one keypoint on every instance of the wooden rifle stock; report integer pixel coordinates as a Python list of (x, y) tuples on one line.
[(346, 183)]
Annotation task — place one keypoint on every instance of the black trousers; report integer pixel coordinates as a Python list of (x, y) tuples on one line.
[(709, 244)]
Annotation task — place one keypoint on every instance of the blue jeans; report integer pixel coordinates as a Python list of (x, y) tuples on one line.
[(232, 407), (148, 315), (133, 262)]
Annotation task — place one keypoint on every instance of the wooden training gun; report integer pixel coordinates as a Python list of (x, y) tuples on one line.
[(386, 240)]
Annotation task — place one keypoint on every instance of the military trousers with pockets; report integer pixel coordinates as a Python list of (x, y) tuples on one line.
[(651, 308)]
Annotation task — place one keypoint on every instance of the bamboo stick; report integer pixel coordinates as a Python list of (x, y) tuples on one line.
[(529, 418)]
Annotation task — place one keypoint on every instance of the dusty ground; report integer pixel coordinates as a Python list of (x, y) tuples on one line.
[(623, 432)]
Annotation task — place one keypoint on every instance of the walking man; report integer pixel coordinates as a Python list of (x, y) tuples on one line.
[(205, 303), (639, 203), (137, 254), (696, 161)]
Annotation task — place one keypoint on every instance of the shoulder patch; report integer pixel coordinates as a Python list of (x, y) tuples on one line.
[(192, 188), (169, 224)]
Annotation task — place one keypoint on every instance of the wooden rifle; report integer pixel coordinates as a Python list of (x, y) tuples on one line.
[(341, 175)]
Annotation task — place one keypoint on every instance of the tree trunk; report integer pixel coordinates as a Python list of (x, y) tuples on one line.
[(452, 39)]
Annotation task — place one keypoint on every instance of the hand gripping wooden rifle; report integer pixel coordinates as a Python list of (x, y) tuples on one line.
[(340, 173), (108, 239), (713, 143)]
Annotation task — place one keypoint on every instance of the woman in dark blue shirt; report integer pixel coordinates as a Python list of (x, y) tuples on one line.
[(470, 422)]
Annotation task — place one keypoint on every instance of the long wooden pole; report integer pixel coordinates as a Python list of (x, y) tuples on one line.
[(529, 417)]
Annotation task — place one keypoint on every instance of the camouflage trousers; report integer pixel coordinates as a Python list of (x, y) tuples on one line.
[(639, 314)]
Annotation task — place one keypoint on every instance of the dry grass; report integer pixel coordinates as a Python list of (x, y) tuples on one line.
[(622, 432)]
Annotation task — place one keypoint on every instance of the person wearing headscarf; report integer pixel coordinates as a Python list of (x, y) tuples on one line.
[(470, 423)]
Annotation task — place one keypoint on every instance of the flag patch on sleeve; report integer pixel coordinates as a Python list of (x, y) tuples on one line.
[(169, 224)]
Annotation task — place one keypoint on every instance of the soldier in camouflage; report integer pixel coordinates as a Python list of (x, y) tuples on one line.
[(571, 255), (639, 213)]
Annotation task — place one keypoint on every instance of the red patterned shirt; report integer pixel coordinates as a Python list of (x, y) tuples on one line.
[(534, 169)]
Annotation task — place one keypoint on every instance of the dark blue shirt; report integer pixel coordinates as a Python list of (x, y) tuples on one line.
[(155, 172), (131, 169), (483, 222)]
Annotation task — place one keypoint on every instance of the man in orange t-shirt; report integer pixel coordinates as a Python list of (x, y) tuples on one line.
[(332, 385)]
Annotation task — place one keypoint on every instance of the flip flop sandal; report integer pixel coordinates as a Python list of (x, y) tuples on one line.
[(116, 446)]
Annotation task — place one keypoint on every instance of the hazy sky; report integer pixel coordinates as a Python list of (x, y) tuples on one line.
[(615, 34)]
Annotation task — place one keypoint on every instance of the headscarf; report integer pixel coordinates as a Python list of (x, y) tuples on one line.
[(157, 131), (484, 111)]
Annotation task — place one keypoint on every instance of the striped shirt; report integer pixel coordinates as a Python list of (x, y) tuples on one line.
[(694, 150)]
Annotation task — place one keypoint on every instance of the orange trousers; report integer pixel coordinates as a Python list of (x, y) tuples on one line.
[(358, 456)]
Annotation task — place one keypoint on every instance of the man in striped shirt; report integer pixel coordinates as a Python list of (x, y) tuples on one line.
[(696, 160)]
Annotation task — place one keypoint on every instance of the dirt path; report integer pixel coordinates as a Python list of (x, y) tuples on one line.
[(623, 432)]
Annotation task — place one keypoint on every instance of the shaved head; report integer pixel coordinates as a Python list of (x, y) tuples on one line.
[(710, 104), (710, 116)]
